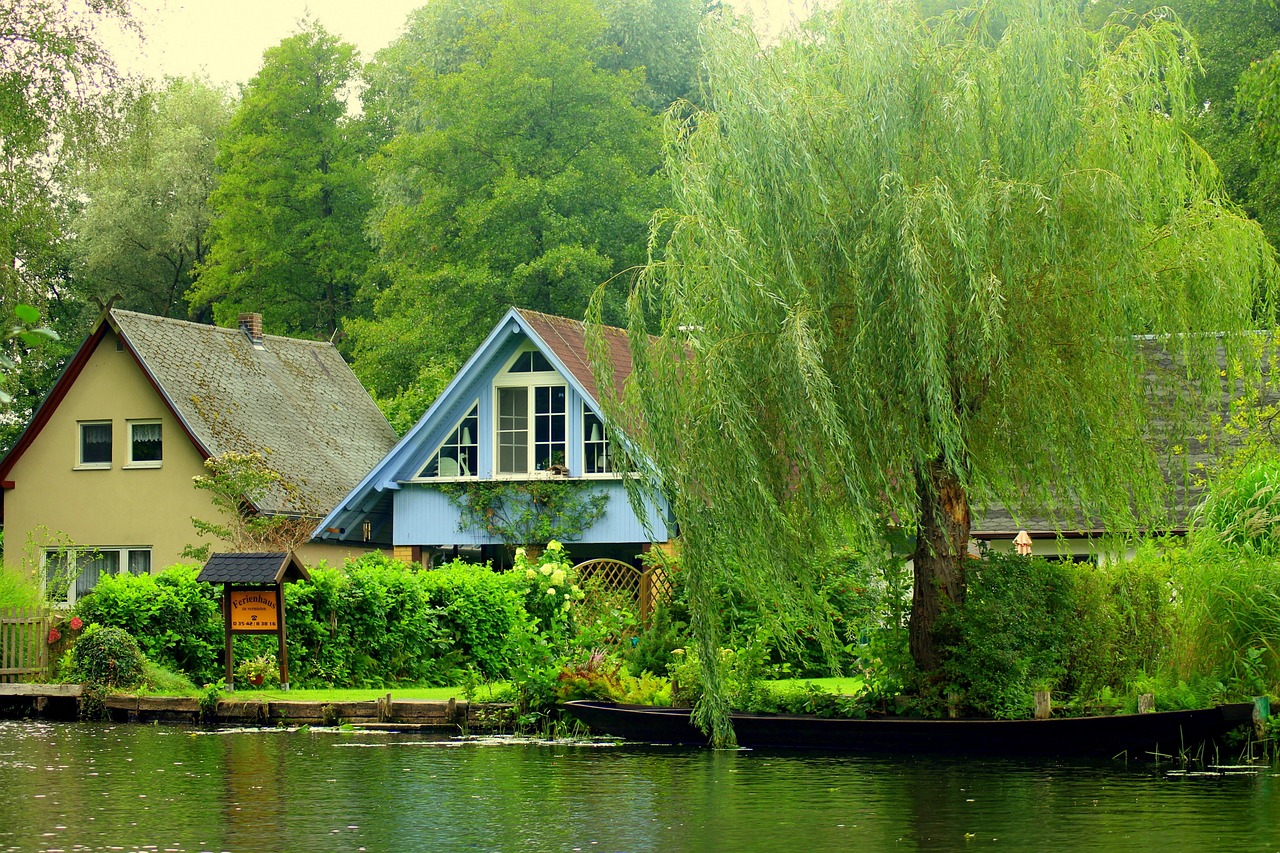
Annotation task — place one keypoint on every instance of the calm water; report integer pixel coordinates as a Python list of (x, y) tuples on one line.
[(86, 787)]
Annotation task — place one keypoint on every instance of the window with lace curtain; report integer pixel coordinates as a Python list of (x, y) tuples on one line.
[(146, 444), (95, 445), (72, 572)]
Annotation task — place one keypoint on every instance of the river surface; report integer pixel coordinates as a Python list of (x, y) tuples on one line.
[(104, 787)]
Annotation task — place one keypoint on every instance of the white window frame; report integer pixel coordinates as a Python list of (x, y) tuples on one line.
[(508, 381), (122, 553), (589, 446), (473, 413), (81, 465), (145, 463)]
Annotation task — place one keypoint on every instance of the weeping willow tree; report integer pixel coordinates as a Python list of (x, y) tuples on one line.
[(906, 272)]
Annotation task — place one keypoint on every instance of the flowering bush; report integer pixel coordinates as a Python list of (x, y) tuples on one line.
[(549, 587)]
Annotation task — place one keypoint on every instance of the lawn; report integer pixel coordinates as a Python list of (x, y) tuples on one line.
[(484, 693)]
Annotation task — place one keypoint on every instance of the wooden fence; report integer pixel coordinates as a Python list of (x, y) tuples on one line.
[(645, 588), (24, 643)]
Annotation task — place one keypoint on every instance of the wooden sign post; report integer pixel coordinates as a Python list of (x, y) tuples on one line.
[(253, 599)]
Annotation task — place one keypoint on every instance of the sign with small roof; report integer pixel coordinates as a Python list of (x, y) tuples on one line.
[(253, 598)]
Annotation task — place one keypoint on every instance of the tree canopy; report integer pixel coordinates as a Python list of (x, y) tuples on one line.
[(289, 207), (908, 265), (525, 174), (141, 231)]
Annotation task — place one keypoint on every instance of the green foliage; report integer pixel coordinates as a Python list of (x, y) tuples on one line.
[(54, 101), (526, 512), (141, 231), (161, 681), (519, 169), (289, 207), (548, 589), (240, 484), (1011, 636), (208, 700), (175, 617), (18, 589), (106, 656), (1243, 514), (258, 671), (882, 230), (26, 333), (1087, 632)]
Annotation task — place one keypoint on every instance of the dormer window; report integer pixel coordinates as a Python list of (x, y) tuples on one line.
[(531, 361), (459, 455)]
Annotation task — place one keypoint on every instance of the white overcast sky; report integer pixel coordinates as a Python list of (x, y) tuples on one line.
[(224, 39)]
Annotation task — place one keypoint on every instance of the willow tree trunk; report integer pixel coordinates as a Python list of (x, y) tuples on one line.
[(941, 548)]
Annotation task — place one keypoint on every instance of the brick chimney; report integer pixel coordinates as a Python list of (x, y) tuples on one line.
[(251, 325)]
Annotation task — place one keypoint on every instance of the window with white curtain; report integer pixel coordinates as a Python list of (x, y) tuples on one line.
[(70, 573), (95, 445), (146, 444)]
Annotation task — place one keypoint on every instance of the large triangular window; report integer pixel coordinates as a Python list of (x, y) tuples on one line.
[(459, 455)]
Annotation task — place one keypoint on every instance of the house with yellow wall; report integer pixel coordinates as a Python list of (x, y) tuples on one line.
[(100, 482)]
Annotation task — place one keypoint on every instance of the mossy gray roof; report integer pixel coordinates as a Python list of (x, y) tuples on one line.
[(296, 401)]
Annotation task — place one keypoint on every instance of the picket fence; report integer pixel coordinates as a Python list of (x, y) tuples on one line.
[(24, 643)]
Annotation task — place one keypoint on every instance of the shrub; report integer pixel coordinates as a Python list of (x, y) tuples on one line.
[(478, 610), (1012, 633), (108, 657), (175, 617)]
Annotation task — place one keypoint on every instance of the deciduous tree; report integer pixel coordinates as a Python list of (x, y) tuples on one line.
[(908, 263), (526, 176), (289, 208), (141, 231)]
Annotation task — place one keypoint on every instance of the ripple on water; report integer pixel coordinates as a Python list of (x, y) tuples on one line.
[(87, 787)]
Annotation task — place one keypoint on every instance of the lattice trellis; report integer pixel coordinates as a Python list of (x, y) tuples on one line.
[(646, 588)]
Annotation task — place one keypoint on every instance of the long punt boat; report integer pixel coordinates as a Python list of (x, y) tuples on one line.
[(1135, 735)]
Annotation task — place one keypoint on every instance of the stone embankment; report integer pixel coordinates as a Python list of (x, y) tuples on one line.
[(66, 702)]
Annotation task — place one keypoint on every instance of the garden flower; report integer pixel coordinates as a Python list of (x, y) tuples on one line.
[(530, 573), (546, 570), (553, 545), (76, 623), (551, 590), (54, 635), (557, 576), (520, 552)]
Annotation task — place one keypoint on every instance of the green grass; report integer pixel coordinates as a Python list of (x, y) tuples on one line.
[(485, 693), (837, 686)]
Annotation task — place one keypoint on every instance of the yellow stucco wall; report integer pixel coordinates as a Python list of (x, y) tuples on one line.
[(53, 502)]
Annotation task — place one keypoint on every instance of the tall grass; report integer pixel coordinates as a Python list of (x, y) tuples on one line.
[(18, 589), (1229, 618)]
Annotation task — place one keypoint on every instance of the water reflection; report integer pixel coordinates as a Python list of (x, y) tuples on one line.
[(89, 787)]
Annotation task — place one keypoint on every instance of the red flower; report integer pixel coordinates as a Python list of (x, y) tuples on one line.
[(54, 635), (76, 623)]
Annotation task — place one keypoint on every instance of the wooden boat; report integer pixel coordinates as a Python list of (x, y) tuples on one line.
[(1135, 735)]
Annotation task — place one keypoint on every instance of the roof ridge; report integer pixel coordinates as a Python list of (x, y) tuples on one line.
[(156, 318)]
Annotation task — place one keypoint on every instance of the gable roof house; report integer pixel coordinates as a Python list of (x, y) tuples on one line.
[(102, 475), (524, 408)]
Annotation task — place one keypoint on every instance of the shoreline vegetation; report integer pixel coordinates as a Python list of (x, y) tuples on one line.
[(1189, 625)]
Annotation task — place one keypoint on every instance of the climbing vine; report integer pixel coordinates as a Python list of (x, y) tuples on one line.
[(528, 512)]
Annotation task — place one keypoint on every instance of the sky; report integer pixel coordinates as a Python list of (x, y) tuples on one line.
[(224, 39)]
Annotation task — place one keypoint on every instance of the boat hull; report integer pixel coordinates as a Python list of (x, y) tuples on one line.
[(1165, 733)]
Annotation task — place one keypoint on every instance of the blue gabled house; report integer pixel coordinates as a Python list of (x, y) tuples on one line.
[(523, 408)]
